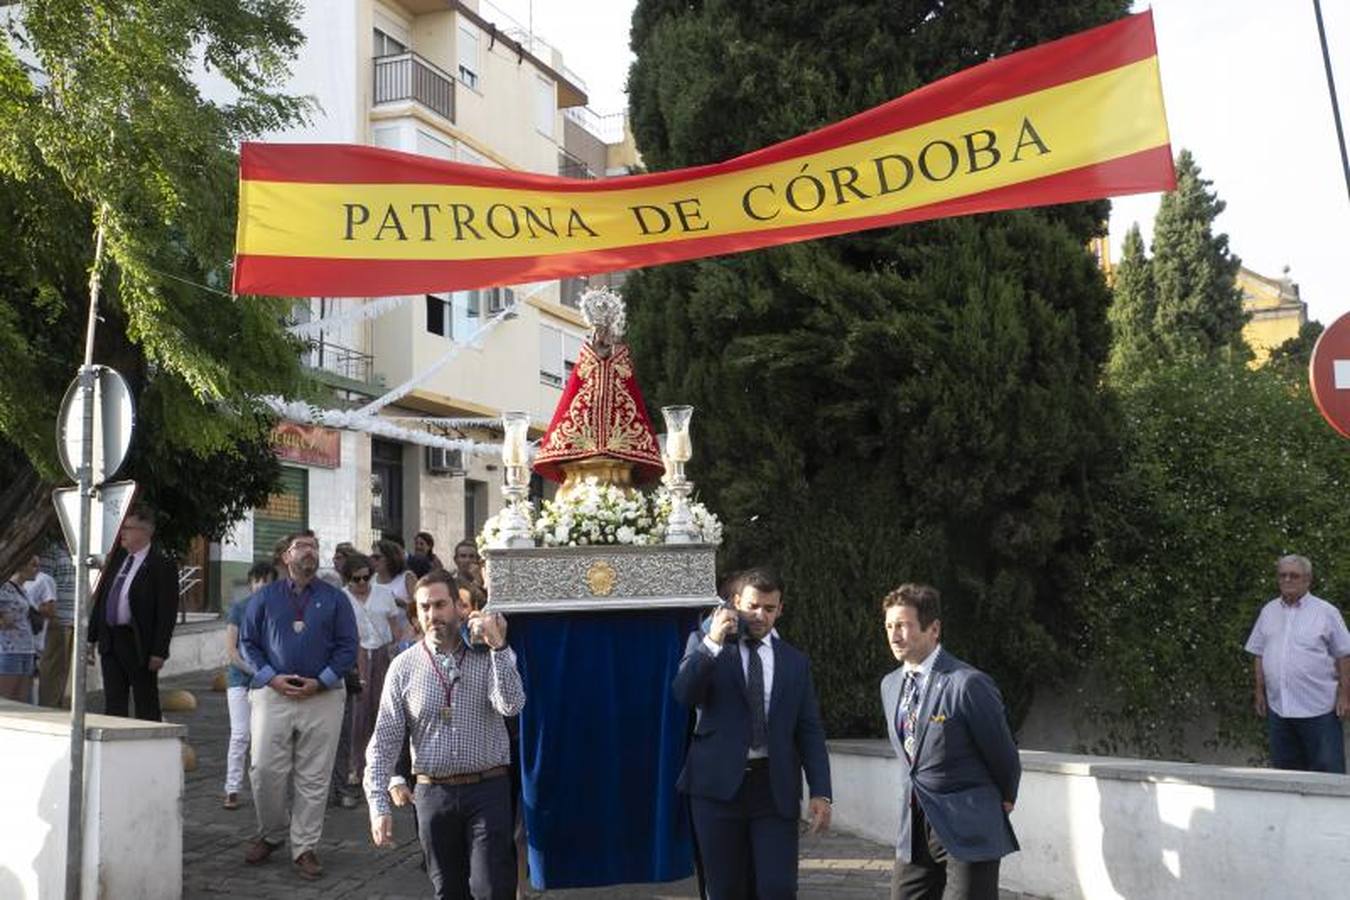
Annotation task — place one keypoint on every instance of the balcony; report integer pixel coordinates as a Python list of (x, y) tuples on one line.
[(407, 76), (346, 363), (572, 166)]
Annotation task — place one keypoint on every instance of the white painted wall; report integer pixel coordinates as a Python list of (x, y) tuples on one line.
[(1100, 828), (133, 809)]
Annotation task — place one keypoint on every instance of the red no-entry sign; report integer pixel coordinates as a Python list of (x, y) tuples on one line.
[(1329, 374)]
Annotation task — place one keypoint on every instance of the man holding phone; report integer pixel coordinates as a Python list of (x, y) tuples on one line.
[(300, 636), (757, 728)]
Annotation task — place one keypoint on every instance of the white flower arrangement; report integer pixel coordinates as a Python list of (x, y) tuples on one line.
[(600, 514)]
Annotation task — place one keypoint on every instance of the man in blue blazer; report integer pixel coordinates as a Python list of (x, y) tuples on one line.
[(959, 765), (757, 728)]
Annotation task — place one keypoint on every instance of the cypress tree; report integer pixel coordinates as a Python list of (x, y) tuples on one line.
[(1134, 308), (1199, 304), (916, 403)]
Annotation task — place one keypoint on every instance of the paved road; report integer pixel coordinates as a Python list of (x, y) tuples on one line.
[(833, 867)]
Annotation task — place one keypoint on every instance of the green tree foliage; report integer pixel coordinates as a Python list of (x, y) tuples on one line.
[(1293, 356), (908, 404), (1199, 306), (1227, 468), (101, 124), (1134, 308)]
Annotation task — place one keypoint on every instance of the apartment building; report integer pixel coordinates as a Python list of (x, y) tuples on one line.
[(457, 80)]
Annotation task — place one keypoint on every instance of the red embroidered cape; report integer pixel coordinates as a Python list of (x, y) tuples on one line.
[(601, 414)]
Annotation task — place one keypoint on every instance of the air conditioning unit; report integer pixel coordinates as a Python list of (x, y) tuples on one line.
[(441, 461)]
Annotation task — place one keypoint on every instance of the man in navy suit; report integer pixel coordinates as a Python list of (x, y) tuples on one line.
[(757, 728), (959, 765)]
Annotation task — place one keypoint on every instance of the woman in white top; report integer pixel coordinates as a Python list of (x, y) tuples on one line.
[(391, 571), (377, 622)]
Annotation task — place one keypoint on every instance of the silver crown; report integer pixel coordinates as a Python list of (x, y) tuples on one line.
[(604, 309)]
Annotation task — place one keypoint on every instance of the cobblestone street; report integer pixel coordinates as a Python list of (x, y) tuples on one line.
[(214, 840), (836, 866)]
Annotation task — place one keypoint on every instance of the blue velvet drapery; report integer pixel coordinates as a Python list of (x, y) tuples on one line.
[(601, 744)]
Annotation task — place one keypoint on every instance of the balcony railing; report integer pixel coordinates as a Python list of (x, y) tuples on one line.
[(407, 76), (571, 166), (339, 360)]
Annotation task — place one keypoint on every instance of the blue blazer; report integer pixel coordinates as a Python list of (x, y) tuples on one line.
[(715, 687), (965, 762)]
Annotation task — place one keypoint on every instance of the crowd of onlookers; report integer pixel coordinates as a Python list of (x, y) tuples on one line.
[(379, 585), (37, 619)]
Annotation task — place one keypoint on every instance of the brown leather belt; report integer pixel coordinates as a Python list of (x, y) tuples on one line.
[(468, 778)]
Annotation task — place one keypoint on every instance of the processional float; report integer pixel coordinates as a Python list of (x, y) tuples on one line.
[(603, 584)]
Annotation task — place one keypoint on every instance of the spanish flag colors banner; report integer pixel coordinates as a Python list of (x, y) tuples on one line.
[(1075, 119)]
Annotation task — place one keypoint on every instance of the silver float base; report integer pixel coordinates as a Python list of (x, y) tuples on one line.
[(605, 577)]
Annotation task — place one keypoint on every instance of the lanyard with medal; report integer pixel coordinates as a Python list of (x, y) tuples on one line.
[(299, 610), (447, 683)]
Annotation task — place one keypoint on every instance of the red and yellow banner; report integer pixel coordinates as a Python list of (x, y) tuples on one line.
[(1074, 119)]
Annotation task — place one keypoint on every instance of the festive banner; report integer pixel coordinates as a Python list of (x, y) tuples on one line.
[(1074, 119)]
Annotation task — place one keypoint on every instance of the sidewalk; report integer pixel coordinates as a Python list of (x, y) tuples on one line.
[(833, 867)]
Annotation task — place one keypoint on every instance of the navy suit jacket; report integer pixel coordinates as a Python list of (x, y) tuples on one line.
[(965, 763), (715, 687)]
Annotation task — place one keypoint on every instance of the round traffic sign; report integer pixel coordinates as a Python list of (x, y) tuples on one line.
[(1329, 375), (114, 420)]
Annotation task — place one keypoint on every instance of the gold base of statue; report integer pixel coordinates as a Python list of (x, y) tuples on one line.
[(606, 471)]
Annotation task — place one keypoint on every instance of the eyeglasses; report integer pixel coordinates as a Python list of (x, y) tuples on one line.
[(1290, 576), (361, 579)]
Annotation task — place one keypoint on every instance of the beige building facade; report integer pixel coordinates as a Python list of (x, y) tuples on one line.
[(1276, 313), (458, 81)]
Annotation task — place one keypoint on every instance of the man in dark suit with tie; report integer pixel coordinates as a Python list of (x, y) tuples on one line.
[(757, 728), (959, 765), (133, 617)]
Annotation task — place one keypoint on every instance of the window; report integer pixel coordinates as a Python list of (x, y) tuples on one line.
[(545, 106), (498, 299), (571, 350), (468, 156), (558, 352), (431, 145), (388, 46), (468, 56), (438, 314), (475, 506), (571, 289), (458, 315), (388, 137)]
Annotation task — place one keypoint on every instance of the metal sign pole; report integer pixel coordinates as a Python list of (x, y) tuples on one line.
[(1331, 89), (75, 806)]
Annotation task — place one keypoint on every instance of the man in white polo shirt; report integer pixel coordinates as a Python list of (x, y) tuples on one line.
[(1302, 673)]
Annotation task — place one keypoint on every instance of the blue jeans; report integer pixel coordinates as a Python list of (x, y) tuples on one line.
[(1312, 744)]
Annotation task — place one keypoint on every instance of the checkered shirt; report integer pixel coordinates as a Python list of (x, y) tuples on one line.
[(472, 739)]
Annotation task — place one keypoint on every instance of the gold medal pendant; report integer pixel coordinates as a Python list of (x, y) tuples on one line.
[(445, 713), (298, 626)]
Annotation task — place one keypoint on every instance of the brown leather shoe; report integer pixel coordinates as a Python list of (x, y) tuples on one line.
[(307, 866), (231, 801), (258, 852)]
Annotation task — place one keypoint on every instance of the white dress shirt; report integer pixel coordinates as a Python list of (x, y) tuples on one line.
[(123, 599), (766, 663)]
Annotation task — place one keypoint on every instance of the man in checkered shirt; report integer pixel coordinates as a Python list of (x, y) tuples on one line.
[(452, 700)]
